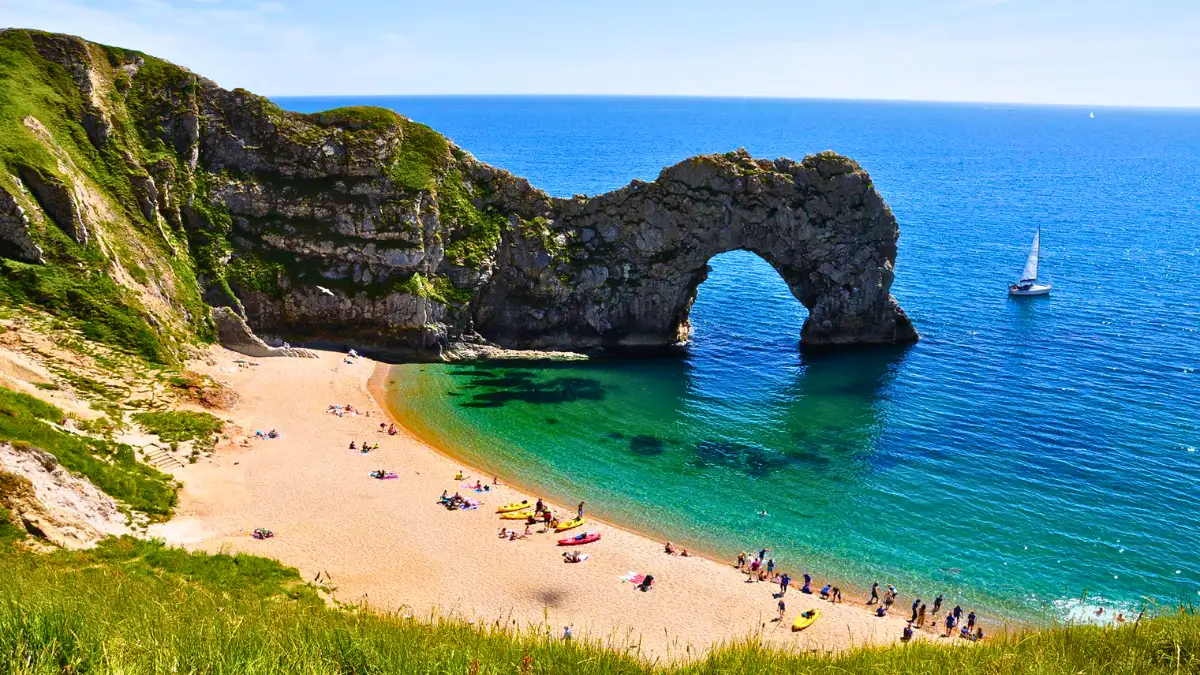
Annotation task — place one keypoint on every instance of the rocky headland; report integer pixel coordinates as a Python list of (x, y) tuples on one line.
[(358, 227)]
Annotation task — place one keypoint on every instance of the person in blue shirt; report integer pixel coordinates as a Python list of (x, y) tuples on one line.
[(784, 580), (950, 624), (807, 587), (916, 604)]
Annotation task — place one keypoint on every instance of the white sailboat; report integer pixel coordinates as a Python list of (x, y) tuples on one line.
[(1029, 285)]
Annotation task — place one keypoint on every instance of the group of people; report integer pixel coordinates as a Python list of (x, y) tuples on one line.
[(365, 447), (760, 567), (967, 626), (671, 550), (457, 501), (389, 428), (268, 435), (343, 410)]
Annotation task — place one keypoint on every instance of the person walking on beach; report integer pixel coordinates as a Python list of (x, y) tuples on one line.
[(537, 508), (949, 624), (741, 561), (579, 513), (771, 568), (874, 593), (782, 609), (971, 621), (916, 604), (937, 604), (921, 617), (784, 580), (957, 612), (762, 553)]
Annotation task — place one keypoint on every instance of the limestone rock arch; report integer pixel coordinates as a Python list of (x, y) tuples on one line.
[(624, 267)]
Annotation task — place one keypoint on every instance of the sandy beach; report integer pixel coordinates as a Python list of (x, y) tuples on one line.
[(388, 543)]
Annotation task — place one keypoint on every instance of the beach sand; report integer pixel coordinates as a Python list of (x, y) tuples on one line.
[(389, 544)]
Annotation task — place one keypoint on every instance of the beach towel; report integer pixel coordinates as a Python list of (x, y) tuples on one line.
[(633, 577)]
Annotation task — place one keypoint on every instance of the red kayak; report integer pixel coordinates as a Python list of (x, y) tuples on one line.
[(585, 538)]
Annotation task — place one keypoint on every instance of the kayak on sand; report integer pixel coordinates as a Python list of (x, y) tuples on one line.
[(585, 538), (570, 524), (806, 619), (516, 506)]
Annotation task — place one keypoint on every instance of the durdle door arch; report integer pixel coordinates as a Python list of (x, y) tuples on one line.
[(632, 259)]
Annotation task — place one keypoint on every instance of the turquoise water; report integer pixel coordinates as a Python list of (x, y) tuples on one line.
[(1023, 454)]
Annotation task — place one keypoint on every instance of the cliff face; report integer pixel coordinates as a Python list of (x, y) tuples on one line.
[(360, 227)]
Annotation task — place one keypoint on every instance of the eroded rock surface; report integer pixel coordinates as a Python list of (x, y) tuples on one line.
[(361, 228)]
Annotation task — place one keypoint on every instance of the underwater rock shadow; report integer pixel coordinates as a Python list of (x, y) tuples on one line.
[(559, 390), (647, 446)]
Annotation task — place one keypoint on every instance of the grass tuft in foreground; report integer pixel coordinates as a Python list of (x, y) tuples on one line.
[(133, 606)]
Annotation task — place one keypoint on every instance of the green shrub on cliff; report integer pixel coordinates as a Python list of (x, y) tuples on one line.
[(180, 425), (423, 152)]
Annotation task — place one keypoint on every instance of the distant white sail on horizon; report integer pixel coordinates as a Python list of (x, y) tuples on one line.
[(1031, 263)]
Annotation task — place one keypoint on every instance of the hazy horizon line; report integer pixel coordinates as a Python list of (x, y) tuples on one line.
[(736, 97)]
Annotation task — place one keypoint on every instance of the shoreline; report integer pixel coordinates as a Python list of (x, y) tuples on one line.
[(390, 546), (377, 387)]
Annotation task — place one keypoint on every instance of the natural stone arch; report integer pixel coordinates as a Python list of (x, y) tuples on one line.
[(628, 262)]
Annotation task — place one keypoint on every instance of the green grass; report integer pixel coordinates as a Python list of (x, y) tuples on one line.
[(104, 310), (357, 117), (133, 606), (422, 153), (112, 467), (180, 425), (474, 234)]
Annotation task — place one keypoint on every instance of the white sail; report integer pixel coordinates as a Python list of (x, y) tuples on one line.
[(1031, 263)]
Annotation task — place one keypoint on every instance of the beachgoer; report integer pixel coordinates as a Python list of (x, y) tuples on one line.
[(937, 604), (352, 446), (741, 561), (382, 426), (889, 598), (669, 549), (971, 620), (762, 553), (763, 512), (978, 633), (921, 617), (949, 623), (957, 612), (568, 633), (495, 480), (684, 553), (537, 508), (825, 590), (754, 565), (503, 532), (964, 632), (579, 512), (1100, 612), (771, 568), (459, 475), (646, 583), (527, 531), (881, 611), (782, 609), (915, 606), (784, 580), (837, 594), (908, 633), (807, 587), (547, 517), (874, 593), (1120, 617)]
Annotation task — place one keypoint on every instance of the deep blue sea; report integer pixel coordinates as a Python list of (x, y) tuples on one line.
[(1033, 458)]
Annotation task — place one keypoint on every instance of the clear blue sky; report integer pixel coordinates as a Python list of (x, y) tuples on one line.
[(1097, 52)]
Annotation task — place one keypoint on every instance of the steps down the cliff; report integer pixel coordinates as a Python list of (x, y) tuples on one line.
[(160, 458)]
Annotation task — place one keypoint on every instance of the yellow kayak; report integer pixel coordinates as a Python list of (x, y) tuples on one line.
[(516, 515), (518, 506), (570, 524), (806, 619)]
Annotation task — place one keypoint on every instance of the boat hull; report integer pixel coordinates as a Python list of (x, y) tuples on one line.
[(1036, 289)]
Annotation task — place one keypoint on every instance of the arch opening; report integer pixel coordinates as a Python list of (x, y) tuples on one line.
[(741, 301)]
